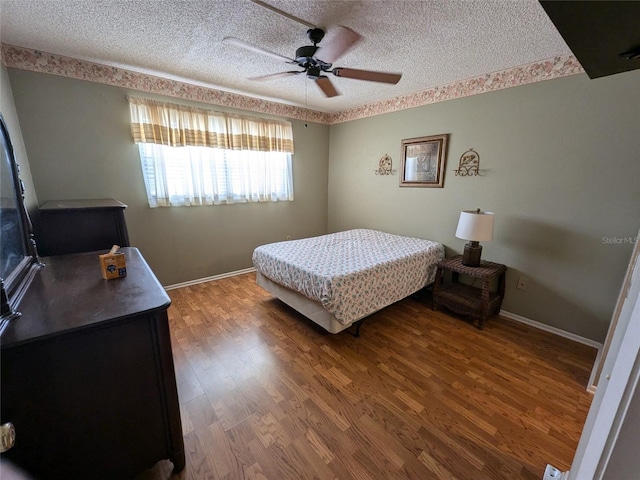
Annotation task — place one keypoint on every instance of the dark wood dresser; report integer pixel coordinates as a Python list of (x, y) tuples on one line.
[(87, 373), (74, 226)]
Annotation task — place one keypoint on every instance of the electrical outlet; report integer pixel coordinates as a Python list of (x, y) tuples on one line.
[(288, 237), (552, 473), (523, 283)]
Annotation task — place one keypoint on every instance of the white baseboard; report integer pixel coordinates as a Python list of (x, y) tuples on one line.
[(591, 388), (209, 279), (550, 329)]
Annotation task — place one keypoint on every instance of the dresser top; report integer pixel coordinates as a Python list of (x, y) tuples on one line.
[(69, 294), (93, 203)]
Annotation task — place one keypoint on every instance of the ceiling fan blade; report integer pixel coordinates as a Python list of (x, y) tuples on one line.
[(369, 75), (338, 45), (327, 87), (254, 48), (276, 75), (284, 14)]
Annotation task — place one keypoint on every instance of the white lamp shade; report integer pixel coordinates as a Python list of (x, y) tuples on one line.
[(475, 226)]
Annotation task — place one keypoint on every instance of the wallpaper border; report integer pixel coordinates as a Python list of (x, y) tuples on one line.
[(43, 62)]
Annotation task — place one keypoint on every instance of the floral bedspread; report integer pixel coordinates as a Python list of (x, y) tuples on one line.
[(352, 273)]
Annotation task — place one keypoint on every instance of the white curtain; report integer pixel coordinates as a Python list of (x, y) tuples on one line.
[(194, 156), (183, 176)]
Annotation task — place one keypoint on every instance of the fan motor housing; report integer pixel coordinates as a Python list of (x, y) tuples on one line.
[(305, 59), (304, 55)]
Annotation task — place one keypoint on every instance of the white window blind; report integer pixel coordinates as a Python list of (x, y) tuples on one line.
[(193, 156), (179, 176)]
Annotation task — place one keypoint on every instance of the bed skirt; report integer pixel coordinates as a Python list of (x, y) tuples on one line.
[(307, 307)]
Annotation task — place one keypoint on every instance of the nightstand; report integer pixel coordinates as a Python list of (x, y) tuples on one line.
[(467, 299)]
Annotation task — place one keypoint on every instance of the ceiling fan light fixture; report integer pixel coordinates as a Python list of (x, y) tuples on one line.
[(315, 60), (313, 72)]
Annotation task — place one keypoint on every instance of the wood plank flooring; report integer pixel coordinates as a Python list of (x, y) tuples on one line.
[(266, 394)]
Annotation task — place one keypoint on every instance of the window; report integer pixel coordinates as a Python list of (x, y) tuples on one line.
[(205, 176), (194, 156)]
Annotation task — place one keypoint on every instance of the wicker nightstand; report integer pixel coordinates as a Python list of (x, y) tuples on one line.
[(466, 299)]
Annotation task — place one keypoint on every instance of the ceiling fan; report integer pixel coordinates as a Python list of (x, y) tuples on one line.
[(316, 61)]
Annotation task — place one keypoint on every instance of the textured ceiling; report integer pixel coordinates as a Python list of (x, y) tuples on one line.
[(430, 42)]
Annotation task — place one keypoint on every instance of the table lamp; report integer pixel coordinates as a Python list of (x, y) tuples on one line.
[(475, 226)]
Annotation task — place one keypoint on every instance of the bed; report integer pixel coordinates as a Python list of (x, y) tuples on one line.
[(338, 279)]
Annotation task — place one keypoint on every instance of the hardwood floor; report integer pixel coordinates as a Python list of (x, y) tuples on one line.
[(266, 394)]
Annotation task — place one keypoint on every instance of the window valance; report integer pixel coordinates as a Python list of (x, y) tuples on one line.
[(175, 125)]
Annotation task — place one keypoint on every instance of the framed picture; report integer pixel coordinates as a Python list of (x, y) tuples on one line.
[(423, 161)]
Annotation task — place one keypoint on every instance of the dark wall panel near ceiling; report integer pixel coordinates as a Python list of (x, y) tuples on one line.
[(599, 33)]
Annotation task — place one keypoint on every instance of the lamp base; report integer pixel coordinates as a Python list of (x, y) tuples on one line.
[(471, 255)]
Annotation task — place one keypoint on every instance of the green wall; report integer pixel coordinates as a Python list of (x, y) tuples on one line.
[(8, 110), (561, 168), (79, 143)]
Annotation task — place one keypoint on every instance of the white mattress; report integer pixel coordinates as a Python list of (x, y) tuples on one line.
[(353, 273)]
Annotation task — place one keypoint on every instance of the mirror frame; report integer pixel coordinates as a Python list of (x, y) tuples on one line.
[(16, 283)]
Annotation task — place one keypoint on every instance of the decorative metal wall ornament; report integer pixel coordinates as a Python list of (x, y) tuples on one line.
[(384, 166), (469, 165)]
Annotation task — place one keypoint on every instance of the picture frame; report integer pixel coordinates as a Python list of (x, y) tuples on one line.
[(423, 161)]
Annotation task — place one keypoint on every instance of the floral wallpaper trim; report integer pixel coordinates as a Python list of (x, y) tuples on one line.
[(556, 67), (43, 62)]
